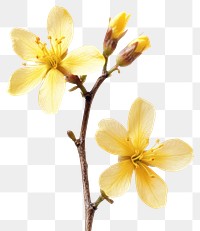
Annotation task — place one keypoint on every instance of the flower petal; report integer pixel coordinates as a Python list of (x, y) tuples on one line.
[(25, 79), (150, 187), (24, 44), (140, 123), (172, 155), (116, 180), (60, 25), (112, 137), (83, 60), (51, 91)]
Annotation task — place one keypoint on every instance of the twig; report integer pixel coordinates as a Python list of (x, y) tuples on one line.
[(90, 207)]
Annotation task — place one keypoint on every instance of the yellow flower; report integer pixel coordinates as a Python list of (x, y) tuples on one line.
[(142, 43), (132, 51), (49, 66), (116, 30), (118, 24), (130, 146)]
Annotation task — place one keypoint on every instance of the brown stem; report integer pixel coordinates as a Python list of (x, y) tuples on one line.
[(80, 143), (90, 207)]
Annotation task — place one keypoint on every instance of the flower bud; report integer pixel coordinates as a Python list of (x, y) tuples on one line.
[(143, 43), (116, 30), (71, 135), (132, 51), (118, 24)]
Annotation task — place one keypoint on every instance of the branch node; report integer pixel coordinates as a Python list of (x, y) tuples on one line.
[(88, 96), (94, 206), (77, 142)]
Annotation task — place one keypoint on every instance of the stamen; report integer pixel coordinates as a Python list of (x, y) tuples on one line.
[(157, 141), (59, 41), (160, 146), (136, 158), (147, 171), (156, 146), (136, 165), (52, 56), (37, 40)]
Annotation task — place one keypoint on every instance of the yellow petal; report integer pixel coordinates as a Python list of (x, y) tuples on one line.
[(116, 180), (84, 60), (25, 79), (24, 44), (51, 91), (112, 137), (118, 24), (172, 155), (59, 25), (150, 187), (143, 43), (140, 123)]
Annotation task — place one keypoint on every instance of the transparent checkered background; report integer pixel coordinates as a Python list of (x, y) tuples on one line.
[(40, 181)]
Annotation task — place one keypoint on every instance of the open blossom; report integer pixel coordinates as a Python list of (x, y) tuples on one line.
[(134, 49), (116, 30), (130, 146), (50, 66)]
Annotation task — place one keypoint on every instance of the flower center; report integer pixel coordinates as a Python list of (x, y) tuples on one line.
[(136, 157), (50, 56)]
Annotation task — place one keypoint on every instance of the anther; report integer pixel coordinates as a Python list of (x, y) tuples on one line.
[(49, 37), (160, 146), (37, 40)]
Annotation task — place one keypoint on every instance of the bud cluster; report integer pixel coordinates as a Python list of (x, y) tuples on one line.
[(116, 30)]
